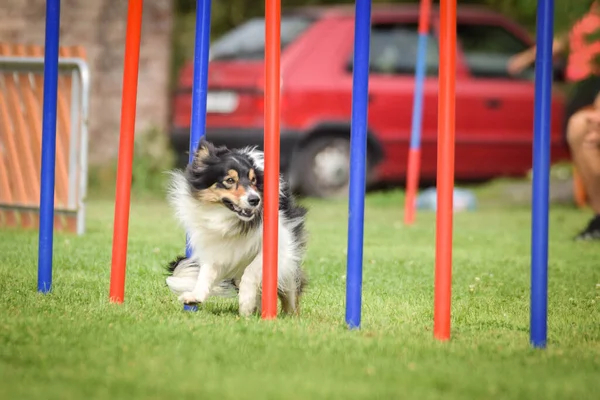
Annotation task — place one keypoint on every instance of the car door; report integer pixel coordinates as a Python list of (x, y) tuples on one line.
[(391, 86), (494, 110)]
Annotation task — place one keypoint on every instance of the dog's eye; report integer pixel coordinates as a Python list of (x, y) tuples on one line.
[(253, 180), (230, 181)]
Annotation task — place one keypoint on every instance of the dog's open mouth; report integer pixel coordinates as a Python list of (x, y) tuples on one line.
[(245, 214)]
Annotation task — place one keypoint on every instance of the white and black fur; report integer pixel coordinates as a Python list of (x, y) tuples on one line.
[(219, 201)]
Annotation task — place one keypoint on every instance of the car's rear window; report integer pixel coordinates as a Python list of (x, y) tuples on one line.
[(247, 41)]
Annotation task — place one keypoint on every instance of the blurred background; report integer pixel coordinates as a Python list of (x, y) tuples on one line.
[(167, 48)]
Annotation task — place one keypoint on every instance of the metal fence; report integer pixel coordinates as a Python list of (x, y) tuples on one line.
[(21, 94)]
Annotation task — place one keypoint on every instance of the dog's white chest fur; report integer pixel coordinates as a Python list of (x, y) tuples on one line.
[(214, 244)]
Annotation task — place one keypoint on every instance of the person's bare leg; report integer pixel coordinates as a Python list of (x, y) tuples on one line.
[(583, 134), (584, 140)]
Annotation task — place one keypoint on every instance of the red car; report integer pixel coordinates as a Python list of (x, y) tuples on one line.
[(494, 111)]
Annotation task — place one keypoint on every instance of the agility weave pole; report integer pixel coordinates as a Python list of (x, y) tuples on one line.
[(271, 151), (199, 90), (445, 170), (358, 153), (414, 151), (48, 162), (126, 143), (540, 186)]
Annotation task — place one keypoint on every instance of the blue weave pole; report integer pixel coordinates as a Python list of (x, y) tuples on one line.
[(358, 153), (48, 163), (199, 90), (541, 174), (417, 115)]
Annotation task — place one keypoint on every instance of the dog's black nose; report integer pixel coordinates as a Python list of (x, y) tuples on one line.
[(253, 200)]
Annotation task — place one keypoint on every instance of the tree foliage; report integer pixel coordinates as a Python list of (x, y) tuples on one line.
[(229, 13)]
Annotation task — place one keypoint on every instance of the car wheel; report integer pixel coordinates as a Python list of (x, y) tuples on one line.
[(322, 169)]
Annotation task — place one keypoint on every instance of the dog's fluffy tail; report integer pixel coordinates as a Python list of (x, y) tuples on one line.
[(183, 273)]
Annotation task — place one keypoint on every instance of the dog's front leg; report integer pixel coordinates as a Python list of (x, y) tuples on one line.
[(249, 286), (206, 279)]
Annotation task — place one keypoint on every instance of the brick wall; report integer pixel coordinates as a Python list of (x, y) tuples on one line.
[(99, 26)]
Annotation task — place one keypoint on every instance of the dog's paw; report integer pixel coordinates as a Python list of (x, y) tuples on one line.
[(189, 298), (247, 308), (247, 311)]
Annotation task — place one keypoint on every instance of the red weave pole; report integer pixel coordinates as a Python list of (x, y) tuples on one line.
[(445, 170), (424, 14), (412, 183), (123, 189), (271, 184), (414, 152)]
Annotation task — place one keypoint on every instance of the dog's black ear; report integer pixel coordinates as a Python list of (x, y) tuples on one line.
[(204, 150), (221, 150), (207, 150)]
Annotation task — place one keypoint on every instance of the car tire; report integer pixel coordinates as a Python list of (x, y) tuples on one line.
[(322, 167)]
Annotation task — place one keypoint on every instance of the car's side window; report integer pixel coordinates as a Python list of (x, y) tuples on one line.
[(394, 50), (487, 49), (247, 41)]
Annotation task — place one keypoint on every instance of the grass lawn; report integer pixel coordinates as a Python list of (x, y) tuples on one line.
[(74, 344)]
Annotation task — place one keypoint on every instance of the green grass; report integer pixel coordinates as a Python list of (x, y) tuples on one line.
[(74, 344)]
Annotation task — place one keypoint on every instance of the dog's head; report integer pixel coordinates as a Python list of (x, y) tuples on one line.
[(232, 178)]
